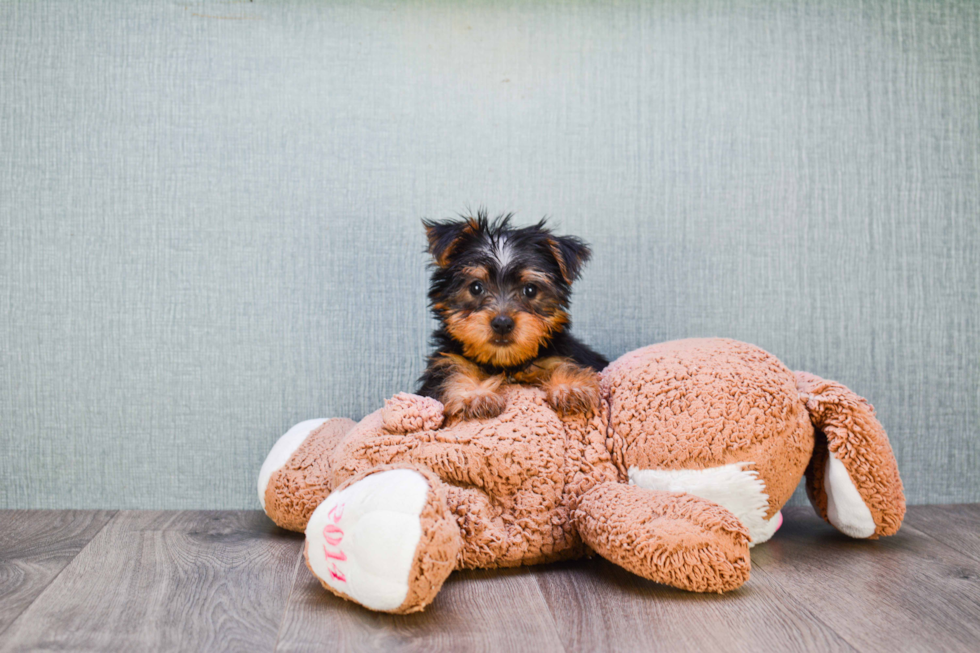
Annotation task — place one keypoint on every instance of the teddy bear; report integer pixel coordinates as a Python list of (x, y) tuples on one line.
[(696, 446)]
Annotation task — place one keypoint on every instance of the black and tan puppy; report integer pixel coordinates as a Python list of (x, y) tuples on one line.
[(501, 295)]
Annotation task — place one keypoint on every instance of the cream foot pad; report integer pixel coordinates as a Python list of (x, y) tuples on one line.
[(362, 540)]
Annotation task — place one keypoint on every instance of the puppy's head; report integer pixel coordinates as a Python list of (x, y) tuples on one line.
[(501, 292)]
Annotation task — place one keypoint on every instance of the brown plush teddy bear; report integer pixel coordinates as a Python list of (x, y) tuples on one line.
[(697, 446)]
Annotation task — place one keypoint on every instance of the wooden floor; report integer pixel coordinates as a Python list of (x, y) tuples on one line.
[(211, 581)]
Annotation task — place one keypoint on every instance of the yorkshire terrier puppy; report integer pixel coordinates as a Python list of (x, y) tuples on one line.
[(501, 295)]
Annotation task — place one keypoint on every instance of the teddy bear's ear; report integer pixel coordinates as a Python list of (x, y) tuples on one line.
[(445, 235), (571, 254)]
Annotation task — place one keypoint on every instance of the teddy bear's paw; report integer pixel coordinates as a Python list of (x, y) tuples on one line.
[(384, 541), (574, 398), (408, 413)]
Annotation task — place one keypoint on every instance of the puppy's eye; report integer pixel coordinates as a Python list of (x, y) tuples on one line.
[(476, 288), (530, 290)]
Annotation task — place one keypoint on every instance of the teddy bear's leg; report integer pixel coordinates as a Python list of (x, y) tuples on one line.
[(294, 477), (852, 479), (735, 487), (385, 539), (672, 538)]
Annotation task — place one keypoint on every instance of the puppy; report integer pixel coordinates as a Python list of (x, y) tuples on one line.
[(501, 295)]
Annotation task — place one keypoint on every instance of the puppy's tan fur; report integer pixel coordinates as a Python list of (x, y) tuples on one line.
[(471, 394)]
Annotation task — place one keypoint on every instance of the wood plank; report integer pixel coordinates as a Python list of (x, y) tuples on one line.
[(222, 581), (483, 610), (905, 592), (957, 526), (599, 606), (205, 581), (35, 545)]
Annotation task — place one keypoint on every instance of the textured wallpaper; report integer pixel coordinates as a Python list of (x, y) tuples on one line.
[(209, 212)]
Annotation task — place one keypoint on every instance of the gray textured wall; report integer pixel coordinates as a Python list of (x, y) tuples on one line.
[(209, 211)]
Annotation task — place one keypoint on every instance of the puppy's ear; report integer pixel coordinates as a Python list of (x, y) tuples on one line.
[(571, 254), (445, 235)]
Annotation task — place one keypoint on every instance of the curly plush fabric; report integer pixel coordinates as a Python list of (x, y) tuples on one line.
[(710, 416), (299, 486), (671, 538), (405, 413), (700, 403), (508, 474), (437, 550)]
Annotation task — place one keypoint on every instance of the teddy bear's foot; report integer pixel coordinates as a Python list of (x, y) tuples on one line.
[(735, 487), (385, 540)]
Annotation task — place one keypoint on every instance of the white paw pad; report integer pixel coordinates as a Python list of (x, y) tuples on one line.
[(362, 540)]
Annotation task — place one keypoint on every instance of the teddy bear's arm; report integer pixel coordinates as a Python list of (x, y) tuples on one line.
[(408, 413), (668, 537), (454, 454), (469, 464), (454, 458)]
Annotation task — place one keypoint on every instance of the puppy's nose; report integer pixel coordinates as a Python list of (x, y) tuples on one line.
[(502, 325)]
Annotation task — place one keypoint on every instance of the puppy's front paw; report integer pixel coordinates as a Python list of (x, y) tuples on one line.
[(482, 404), (574, 396), (473, 400)]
